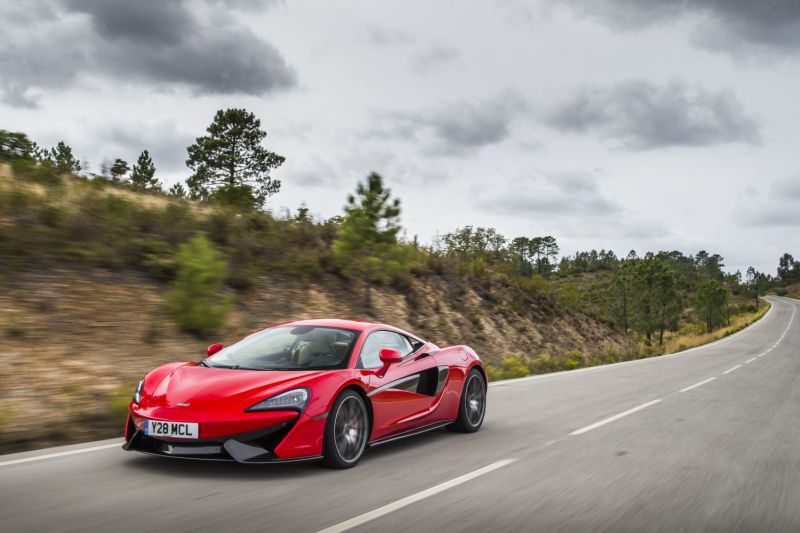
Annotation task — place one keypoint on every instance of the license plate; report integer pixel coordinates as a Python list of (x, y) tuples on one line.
[(175, 430)]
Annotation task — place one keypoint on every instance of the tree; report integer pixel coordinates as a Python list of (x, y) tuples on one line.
[(366, 246), (788, 269), (622, 282), (118, 169), (194, 299), (474, 244), (654, 298), (230, 164), (757, 283), (520, 247), (143, 174), (177, 190), (668, 300), (550, 250), (61, 158), (644, 306), (16, 145), (712, 299), (709, 266)]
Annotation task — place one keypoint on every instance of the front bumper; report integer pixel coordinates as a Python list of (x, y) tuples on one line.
[(256, 446)]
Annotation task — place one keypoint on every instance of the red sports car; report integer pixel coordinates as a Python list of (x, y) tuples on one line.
[(306, 390)]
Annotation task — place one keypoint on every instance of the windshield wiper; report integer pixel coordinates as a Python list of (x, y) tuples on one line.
[(231, 367)]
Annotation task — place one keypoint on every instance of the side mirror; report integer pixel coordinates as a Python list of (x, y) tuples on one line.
[(214, 348), (389, 356)]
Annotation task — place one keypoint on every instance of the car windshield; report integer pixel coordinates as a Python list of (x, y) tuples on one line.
[(288, 348)]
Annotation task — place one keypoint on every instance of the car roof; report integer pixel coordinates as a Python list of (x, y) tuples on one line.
[(357, 325), (352, 324)]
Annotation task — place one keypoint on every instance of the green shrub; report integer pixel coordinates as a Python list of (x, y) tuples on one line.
[(513, 367), (155, 256), (569, 296), (539, 285), (571, 360), (781, 291), (543, 363), (35, 171), (195, 299)]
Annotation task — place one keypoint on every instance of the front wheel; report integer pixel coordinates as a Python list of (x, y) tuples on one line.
[(472, 406), (346, 431)]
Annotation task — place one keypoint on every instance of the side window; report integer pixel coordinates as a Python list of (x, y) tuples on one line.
[(378, 340)]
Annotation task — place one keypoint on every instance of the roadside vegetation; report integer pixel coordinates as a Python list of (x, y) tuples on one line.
[(212, 234), (211, 245)]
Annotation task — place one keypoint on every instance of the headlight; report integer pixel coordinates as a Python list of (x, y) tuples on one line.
[(137, 395), (294, 400)]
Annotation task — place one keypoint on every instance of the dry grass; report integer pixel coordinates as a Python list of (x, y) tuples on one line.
[(679, 343)]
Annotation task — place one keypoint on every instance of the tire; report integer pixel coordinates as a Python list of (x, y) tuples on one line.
[(472, 404), (346, 431)]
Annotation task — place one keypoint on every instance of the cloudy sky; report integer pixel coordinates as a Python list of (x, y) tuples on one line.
[(622, 124)]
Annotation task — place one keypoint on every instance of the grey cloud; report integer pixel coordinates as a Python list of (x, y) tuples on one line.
[(641, 115), (163, 43), (772, 216), (30, 34), (434, 56), (154, 23), (344, 170), (168, 44), (455, 128), (724, 25), (555, 195), (781, 208), (786, 189), (249, 4), (385, 36)]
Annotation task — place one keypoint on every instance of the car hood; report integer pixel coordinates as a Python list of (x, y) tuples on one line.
[(217, 388)]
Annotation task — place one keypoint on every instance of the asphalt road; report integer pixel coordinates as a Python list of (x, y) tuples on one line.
[(704, 440)]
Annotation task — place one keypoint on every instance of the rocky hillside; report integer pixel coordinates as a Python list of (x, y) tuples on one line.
[(87, 262), (76, 341)]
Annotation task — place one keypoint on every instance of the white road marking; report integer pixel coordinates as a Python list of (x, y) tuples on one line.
[(408, 500), (732, 369), (750, 360), (60, 454), (612, 418), (690, 387)]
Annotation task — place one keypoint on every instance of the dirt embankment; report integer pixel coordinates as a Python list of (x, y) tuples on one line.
[(76, 342)]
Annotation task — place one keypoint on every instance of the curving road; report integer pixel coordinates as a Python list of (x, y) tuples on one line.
[(707, 439)]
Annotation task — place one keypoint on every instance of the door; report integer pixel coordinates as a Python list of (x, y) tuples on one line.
[(404, 397)]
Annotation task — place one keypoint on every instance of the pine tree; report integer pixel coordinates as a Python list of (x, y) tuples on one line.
[(61, 158), (177, 190), (230, 164), (118, 169), (712, 299), (366, 246), (143, 174)]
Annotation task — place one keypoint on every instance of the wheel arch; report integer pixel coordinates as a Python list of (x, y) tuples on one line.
[(479, 367), (355, 387)]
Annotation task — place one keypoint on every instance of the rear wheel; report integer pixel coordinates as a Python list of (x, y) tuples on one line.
[(472, 407), (346, 431)]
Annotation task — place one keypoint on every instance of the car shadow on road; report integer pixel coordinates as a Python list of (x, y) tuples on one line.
[(397, 453)]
